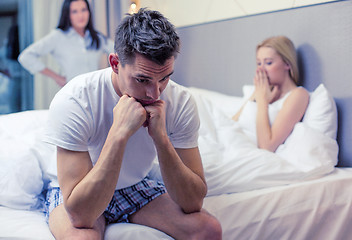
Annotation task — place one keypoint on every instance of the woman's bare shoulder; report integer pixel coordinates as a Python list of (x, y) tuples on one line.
[(299, 92)]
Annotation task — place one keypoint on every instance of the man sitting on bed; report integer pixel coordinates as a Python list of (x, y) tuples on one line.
[(109, 126)]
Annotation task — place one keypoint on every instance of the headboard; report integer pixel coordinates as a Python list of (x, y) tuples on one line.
[(220, 55)]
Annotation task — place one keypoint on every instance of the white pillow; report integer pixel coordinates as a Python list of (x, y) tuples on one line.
[(224, 103), (321, 113), (247, 91), (21, 177)]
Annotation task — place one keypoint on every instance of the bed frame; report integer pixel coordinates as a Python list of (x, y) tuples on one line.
[(220, 56)]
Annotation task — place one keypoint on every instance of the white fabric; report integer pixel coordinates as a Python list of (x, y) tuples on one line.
[(19, 187), (309, 150), (233, 163), (248, 121), (21, 178), (310, 210), (130, 231), (19, 224), (316, 209), (227, 104), (80, 118), (23, 225), (69, 49), (321, 113)]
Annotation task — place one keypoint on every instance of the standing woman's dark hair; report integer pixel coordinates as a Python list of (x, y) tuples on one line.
[(65, 22)]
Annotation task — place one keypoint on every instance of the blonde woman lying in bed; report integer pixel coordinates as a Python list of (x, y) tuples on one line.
[(277, 103)]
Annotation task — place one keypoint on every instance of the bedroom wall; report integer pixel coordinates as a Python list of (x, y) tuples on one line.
[(321, 50), (185, 13), (221, 55), (181, 13), (45, 18)]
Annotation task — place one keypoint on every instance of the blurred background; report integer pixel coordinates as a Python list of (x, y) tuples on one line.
[(25, 21)]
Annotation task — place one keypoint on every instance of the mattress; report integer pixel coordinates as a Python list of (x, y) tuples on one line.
[(25, 225), (315, 209)]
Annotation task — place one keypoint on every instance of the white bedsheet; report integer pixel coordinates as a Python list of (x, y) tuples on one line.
[(319, 209), (233, 163), (23, 224)]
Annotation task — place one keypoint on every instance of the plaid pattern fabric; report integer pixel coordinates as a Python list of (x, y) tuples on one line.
[(53, 199), (124, 202)]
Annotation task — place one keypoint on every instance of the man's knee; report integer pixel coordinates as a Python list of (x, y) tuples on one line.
[(62, 228), (208, 228), (80, 234), (213, 228)]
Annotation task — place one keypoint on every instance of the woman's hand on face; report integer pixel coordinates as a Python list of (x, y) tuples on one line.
[(264, 92)]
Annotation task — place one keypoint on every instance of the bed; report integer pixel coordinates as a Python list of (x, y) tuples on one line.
[(289, 200)]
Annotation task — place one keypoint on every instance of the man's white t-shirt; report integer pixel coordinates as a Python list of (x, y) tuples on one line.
[(81, 115)]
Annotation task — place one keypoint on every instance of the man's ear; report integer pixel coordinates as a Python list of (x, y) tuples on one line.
[(114, 62)]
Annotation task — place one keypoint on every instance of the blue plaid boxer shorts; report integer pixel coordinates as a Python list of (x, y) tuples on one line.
[(124, 202)]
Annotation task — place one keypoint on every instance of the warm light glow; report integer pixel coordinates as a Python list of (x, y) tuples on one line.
[(134, 6)]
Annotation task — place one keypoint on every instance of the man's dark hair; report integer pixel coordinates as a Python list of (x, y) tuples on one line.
[(147, 33)]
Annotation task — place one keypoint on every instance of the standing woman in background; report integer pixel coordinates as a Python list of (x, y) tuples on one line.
[(75, 45)]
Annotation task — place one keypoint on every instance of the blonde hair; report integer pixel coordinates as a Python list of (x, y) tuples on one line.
[(285, 48)]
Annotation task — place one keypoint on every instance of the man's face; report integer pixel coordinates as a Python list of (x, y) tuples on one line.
[(143, 79)]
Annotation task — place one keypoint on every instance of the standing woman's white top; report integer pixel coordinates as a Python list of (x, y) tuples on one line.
[(71, 51), (75, 45)]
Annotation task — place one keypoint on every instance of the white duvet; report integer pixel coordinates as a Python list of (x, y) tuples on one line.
[(232, 163)]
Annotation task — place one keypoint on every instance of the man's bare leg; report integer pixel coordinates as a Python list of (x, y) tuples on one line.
[(165, 215)]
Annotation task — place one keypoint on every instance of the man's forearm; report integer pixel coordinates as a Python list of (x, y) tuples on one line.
[(90, 197), (184, 186)]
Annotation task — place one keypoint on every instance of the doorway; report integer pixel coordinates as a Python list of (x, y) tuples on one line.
[(16, 85)]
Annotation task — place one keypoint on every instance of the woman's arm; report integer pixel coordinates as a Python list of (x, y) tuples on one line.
[(60, 80), (293, 109), (30, 58)]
